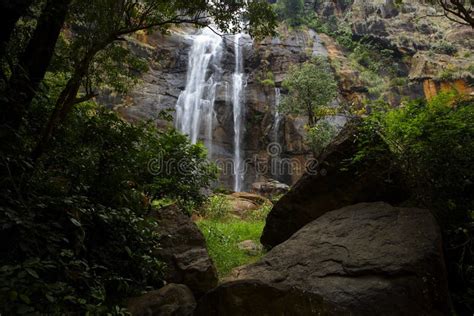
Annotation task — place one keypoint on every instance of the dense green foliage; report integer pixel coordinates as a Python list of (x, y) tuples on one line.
[(217, 207), (311, 88), (74, 227), (320, 135), (432, 143)]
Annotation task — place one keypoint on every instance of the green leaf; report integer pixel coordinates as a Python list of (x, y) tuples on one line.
[(75, 222), (25, 298), (50, 298), (32, 273)]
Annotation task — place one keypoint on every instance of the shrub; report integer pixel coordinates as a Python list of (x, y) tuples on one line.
[(444, 48), (447, 74), (74, 227), (320, 135), (399, 82), (269, 79), (66, 254), (427, 138), (259, 214), (217, 207), (433, 145)]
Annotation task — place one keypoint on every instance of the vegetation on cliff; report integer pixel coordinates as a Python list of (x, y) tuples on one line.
[(311, 89)]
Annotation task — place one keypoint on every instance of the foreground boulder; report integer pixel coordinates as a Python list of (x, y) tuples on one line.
[(335, 185), (253, 297), (183, 249), (368, 259), (170, 300)]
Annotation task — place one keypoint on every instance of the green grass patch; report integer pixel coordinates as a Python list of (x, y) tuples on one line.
[(222, 237)]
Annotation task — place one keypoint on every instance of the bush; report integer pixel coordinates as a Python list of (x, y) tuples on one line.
[(426, 139), (74, 227), (433, 145), (217, 207), (65, 255), (444, 48), (320, 135), (260, 214)]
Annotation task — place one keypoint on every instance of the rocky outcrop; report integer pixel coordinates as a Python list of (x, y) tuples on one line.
[(266, 64), (170, 300), (366, 259), (161, 85), (183, 249), (270, 188), (337, 184), (425, 45), (432, 88), (253, 297)]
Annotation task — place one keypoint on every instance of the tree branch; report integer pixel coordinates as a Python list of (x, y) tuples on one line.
[(85, 98)]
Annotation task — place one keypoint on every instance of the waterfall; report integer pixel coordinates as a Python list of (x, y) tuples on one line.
[(237, 88), (276, 159), (276, 116), (195, 106)]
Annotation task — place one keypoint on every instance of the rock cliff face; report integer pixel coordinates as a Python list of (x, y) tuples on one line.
[(427, 55), (428, 49), (265, 65)]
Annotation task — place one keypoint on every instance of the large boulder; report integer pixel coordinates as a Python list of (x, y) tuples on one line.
[(253, 297), (170, 300), (183, 249), (368, 259), (336, 184)]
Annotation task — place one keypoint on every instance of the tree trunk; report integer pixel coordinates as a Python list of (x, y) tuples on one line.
[(66, 101), (10, 13), (310, 113), (33, 63)]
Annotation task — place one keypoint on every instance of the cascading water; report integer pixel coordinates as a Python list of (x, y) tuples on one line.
[(237, 88), (276, 159), (276, 116), (195, 106)]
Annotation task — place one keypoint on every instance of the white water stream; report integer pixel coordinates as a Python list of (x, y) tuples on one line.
[(237, 88), (195, 106)]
